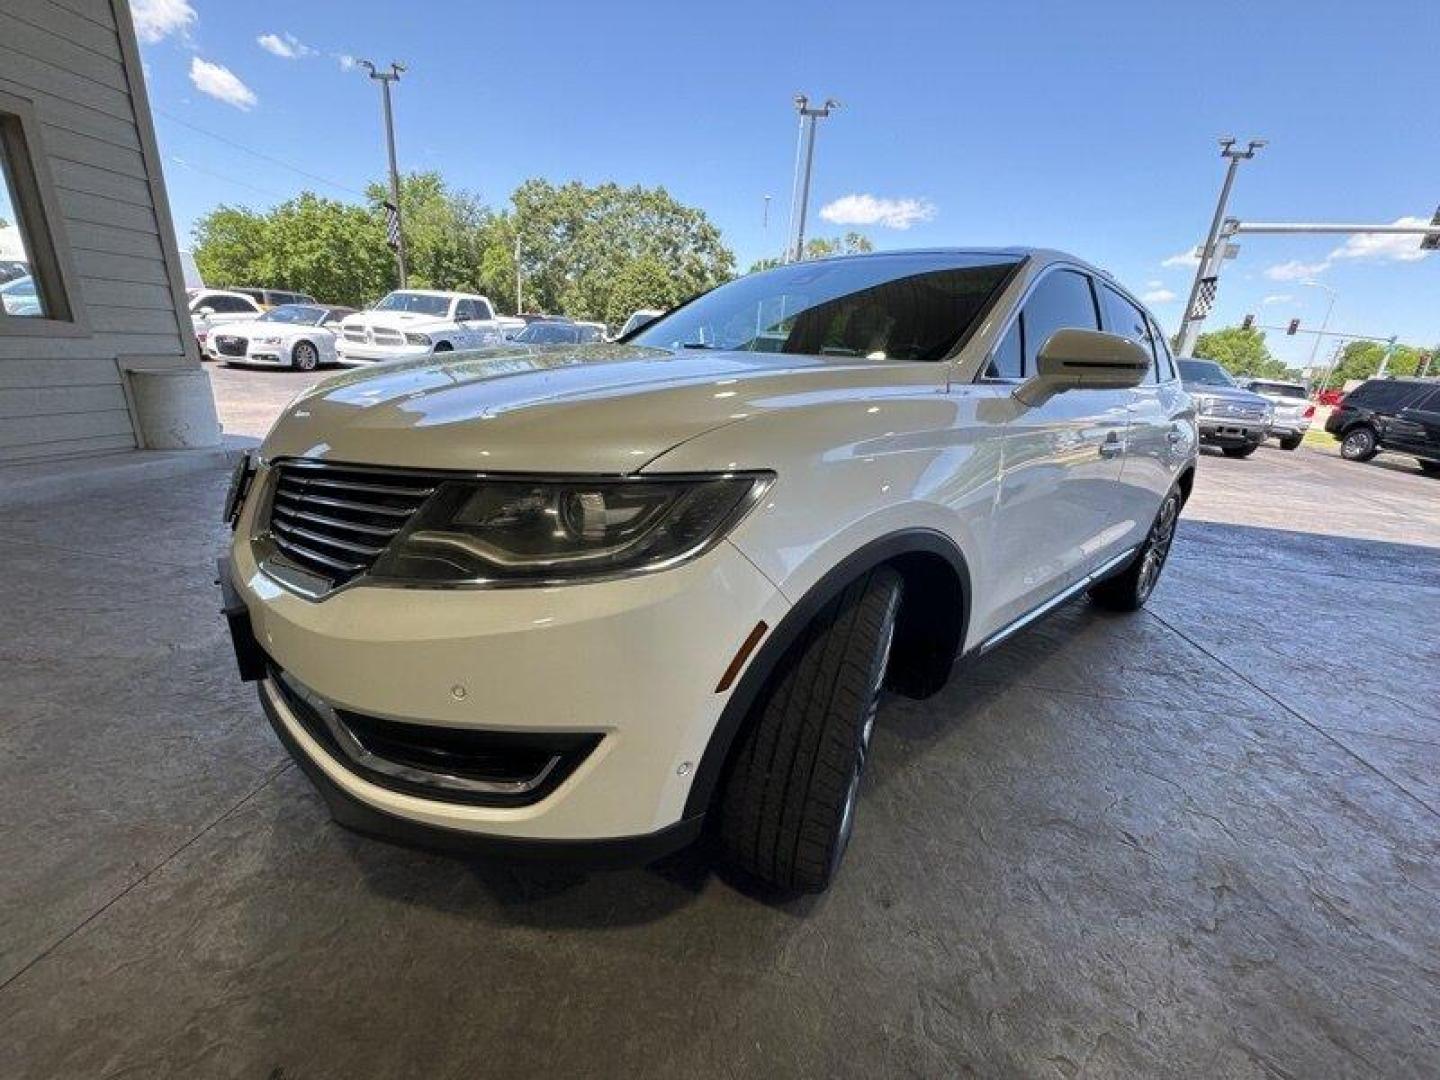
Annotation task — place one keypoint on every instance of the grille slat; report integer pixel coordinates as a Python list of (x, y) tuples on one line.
[(335, 521)]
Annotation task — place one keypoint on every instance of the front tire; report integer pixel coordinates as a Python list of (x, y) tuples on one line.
[(304, 356), (1239, 451), (1429, 468), (1359, 444), (1128, 590), (1291, 442), (788, 806)]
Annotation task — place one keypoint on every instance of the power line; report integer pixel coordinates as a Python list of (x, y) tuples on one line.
[(229, 179), (261, 155)]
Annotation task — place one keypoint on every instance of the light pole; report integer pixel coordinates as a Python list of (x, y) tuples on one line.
[(808, 118), (396, 226), (1214, 251), (518, 278), (1325, 322)]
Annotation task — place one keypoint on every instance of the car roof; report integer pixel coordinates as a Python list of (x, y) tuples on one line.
[(443, 292)]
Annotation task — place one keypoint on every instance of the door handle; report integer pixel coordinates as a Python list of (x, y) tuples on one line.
[(1174, 437)]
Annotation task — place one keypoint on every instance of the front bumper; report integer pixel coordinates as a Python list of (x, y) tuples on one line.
[(634, 662), (1289, 427), (354, 352), (1225, 431)]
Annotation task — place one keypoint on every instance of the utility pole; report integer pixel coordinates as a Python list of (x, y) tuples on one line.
[(1385, 360), (395, 225), (1213, 253), (808, 118), (1325, 322), (518, 272)]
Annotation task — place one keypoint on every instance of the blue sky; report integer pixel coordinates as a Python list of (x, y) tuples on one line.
[(1089, 127)]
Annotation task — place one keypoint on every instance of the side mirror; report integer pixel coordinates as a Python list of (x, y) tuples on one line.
[(1074, 359)]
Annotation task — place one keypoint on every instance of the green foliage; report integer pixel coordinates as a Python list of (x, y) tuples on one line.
[(578, 241), (1361, 360), (1241, 352), (818, 247), (587, 252)]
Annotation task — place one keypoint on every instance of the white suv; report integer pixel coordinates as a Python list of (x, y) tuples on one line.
[(414, 322), (580, 601)]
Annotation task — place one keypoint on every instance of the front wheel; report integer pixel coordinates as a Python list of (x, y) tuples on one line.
[(304, 357), (1129, 589), (1290, 442), (788, 806), (1429, 468), (1358, 445)]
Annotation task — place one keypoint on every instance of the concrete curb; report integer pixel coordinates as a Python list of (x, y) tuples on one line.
[(22, 485)]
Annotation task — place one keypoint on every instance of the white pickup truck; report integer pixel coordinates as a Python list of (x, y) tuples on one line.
[(414, 322)]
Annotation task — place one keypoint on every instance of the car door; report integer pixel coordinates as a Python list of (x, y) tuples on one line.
[(1057, 508), (1416, 426), (1158, 434), (467, 334)]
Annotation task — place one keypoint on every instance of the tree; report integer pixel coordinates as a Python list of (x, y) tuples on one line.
[(576, 242), (1361, 360), (818, 247), (642, 283), (1241, 352), (447, 233)]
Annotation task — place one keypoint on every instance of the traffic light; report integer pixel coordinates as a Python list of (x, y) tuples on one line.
[(1294, 325), (1249, 323)]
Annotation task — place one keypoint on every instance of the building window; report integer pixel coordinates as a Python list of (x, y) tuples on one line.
[(32, 278)]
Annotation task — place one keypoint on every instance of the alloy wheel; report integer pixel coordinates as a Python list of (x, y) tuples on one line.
[(306, 358), (1157, 545)]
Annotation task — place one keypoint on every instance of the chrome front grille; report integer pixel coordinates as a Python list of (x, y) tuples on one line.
[(1238, 410), (335, 520), (229, 345), (355, 334), (387, 337)]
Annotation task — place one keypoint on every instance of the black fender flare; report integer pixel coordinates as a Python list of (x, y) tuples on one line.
[(885, 549)]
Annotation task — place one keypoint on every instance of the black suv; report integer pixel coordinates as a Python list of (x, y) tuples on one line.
[(1400, 415)]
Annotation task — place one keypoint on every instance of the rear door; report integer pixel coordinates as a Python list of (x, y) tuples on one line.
[(1416, 426), (1058, 506)]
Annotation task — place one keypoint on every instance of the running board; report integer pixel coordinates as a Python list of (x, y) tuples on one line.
[(1034, 614)]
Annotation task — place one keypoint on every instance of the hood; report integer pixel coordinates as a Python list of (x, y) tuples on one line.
[(1224, 393), (593, 409), (395, 320), (251, 328)]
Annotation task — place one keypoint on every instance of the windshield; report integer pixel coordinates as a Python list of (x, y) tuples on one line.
[(884, 307), (19, 297), (419, 303), (294, 313), (1204, 373), (539, 333), (1279, 389)]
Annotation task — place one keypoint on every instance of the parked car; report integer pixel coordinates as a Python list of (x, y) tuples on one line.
[(210, 308), (1400, 415), (413, 322), (269, 298), (300, 335), (1231, 418), (580, 602), (1293, 409), (1329, 398), (557, 332), (637, 320), (10, 269), (18, 296)]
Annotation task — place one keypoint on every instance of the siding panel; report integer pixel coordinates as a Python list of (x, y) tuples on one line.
[(53, 400), (52, 48), (63, 427), (66, 448), (76, 28)]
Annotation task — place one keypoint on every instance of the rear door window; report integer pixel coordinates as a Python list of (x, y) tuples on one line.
[(1124, 318)]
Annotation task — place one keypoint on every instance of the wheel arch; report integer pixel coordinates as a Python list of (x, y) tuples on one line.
[(929, 635)]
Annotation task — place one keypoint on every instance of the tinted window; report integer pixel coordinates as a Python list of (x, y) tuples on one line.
[(1005, 361), (1278, 389), (1061, 301), (420, 303), (1162, 352), (227, 304), (1205, 373), (877, 307), (1384, 394), (1124, 318)]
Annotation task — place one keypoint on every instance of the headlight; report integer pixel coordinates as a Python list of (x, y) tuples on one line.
[(1203, 403), (503, 530), (417, 339)]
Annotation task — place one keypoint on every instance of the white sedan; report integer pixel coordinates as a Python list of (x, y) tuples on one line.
[(301, 336)]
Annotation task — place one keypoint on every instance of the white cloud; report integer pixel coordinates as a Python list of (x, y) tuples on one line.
[(1183, 258), (11, 246), (156, 20), (1397, 247), (346, 61), (1277, 298), (1158, 296), (221, 83), (285, 46), (869, 210), (1295, 270)]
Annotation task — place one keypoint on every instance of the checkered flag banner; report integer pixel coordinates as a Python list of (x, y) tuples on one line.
[(392, 225), (1204, 299)]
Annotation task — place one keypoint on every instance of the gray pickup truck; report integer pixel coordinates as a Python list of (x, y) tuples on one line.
[(1229, 417)]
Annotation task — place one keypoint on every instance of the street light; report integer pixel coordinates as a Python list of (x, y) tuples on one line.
[(394, 225), (1213, 254), (1325, 322), (801, 203)]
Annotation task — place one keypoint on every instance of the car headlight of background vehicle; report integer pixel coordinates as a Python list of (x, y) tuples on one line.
[(506, 530), (417, 339)]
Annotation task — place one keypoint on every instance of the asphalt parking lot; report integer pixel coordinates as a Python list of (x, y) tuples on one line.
[(1202, 840)]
